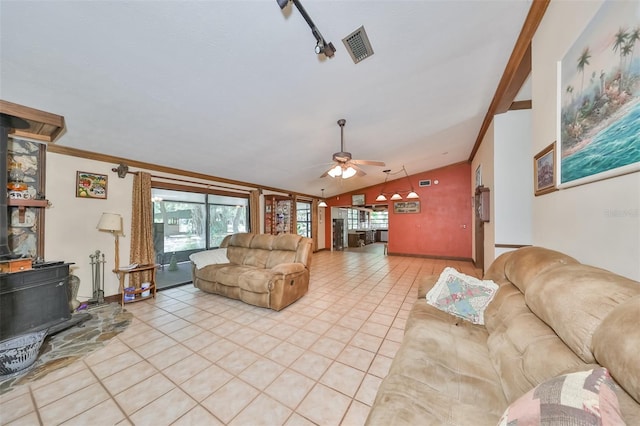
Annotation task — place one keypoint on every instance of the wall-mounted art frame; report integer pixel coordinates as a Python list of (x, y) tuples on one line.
[(544, 171), (357, 200), (91, 185), (479, 175), (406, 207), (599, 99)]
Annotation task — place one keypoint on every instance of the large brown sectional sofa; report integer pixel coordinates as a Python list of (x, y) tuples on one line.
[(550, 316), (271, 271)]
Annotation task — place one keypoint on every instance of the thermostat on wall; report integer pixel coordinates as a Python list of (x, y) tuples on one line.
[(426, 182)]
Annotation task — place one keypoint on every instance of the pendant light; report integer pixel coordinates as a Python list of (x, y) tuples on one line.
[(322, 203)]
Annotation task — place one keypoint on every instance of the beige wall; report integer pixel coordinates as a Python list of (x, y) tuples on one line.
[(597, 223), (70, 222)]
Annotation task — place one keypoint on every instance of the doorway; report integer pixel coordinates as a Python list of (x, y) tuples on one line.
[(338, 234)]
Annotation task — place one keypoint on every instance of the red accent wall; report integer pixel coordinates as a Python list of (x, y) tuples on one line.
[(443, 226)]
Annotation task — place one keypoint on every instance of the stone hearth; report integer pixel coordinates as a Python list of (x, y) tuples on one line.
[(65, 347)]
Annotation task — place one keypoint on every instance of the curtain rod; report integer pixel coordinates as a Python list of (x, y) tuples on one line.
[(123, 170)]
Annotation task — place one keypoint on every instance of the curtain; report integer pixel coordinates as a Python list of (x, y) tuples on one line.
[(254, 211), (142, 251)]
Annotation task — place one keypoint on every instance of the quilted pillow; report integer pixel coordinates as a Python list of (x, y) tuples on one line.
[(576, 399), (462, 295)]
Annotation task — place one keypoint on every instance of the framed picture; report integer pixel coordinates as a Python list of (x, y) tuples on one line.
[(599, 98), (479, 175), (544, 171), (406, 207), (91, 185), (357, 200)]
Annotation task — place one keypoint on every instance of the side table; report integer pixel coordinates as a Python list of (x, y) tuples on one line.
[(137, 293)]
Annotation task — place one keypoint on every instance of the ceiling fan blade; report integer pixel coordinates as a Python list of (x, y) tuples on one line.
[(369, 163), (359, 171), (325, 174)]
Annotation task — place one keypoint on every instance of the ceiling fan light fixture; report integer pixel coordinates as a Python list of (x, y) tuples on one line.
[(335, 172), (348, 172), (396, 197)]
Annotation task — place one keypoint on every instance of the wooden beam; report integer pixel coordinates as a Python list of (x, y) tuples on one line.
[(43, 126), (89, 155), (517, 66), (520, 105)]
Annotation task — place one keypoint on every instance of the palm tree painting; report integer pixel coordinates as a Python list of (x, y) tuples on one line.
[(600, 116)]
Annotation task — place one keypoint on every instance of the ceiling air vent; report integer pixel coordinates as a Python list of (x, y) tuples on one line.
[(358, 45)]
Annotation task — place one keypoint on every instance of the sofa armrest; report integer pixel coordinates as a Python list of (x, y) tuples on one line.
[(288, 268), (426, 283)]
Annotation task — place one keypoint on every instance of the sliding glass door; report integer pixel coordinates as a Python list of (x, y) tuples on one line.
[(187, 222)]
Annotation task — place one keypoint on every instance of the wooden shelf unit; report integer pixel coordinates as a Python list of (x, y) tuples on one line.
[(137, 293)]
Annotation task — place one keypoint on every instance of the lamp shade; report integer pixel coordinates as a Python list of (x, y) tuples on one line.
[(381, 197), (335, 172), (349, 172), (396, 196), (412, 195), (110, 222)]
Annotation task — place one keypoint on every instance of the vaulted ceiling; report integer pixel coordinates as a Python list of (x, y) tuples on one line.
[(234, 88)]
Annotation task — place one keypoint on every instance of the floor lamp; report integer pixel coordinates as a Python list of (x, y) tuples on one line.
[(112, 222)]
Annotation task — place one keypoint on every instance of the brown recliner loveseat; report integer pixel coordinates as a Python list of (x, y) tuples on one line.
[(270, 271), (551, 316)]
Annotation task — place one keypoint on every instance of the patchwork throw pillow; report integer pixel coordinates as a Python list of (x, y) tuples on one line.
[(578, 399), (462, 295)]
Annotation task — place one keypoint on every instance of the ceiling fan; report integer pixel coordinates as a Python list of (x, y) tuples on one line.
[(346, 166)]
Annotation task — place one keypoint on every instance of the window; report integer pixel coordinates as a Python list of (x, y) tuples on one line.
[(303, 218), (186, 222), (227, 215), (380, 219), (352, 219), (367, 219)]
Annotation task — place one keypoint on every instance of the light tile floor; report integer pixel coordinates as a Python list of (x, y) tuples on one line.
[(192, 358)]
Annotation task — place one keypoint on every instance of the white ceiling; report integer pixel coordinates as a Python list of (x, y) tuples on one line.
[(234, 89)]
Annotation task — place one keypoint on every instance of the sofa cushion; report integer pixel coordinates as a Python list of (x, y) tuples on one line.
[(229, 275), (574, 299), (528, 262), (616, 343), (257, 280), (404, 401), (462, 295), (262, 241), (581, 398)]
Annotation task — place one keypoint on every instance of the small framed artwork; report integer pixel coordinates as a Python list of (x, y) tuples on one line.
[(544, 171), (91, 185), (357, 200), (406, 207)]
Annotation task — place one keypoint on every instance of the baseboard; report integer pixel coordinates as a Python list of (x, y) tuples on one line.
[(429, 256)]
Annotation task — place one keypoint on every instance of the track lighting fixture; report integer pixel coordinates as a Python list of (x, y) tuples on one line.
[(322, 47)]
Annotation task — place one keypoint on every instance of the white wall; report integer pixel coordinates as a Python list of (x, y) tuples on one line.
[(513, 175), (597, 223)]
